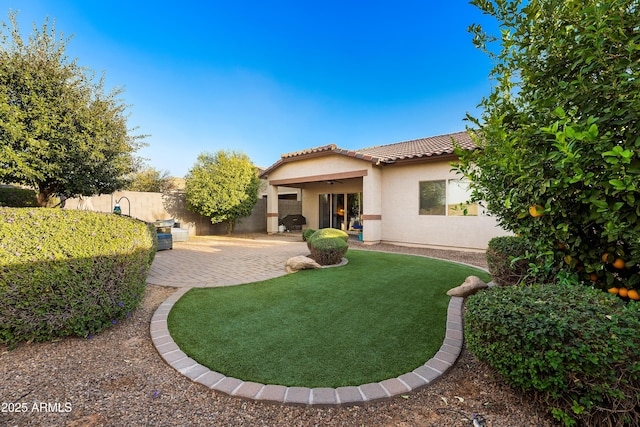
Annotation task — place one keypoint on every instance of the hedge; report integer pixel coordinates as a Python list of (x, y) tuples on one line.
[(17, 197), (325, 233), (69, 272), (328, 245), (306, 233), (507, 259), (575, 349)]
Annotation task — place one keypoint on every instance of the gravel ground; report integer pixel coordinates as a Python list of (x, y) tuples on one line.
[(118, 379)]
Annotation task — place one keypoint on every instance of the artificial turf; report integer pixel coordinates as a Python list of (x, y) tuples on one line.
[(377, 317)]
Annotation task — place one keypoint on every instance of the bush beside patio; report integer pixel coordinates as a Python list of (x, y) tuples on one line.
[(69, 272), (507, 260), (328, 245), (575, 349), (17, 197)]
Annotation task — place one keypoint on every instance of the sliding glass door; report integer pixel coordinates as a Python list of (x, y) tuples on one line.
[(324, 217), (354, 212), (341, 211)]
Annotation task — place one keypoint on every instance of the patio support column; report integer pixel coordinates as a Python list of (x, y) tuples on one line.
[(272, 209), (372, 206)]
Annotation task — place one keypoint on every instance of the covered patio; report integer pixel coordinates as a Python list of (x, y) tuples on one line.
[(344, 195)]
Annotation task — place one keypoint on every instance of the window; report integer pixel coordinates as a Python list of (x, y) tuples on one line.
[(446, 197), (458, 195), (432, 197)]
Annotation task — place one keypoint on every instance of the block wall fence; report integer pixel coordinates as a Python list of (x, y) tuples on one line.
[(156, 206)]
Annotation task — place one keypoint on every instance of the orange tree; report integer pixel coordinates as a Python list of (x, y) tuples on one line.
[(559, 133)]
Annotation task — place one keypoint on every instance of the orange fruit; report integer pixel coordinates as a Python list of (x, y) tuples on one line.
[(561, 246), (605, 257), (593, 277), (619, 263), (536, 210), (633, 294), (613, 290), (623, 292)]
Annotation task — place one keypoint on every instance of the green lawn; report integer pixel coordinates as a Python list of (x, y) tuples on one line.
[(378, 317)]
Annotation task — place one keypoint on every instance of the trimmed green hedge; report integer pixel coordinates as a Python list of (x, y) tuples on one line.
[(69, 272), (507, 259), (17, 197), (326, 233), (306, 233), (574, 348), (328, 245)]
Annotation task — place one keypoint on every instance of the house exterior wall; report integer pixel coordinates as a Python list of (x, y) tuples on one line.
[(372, 203), (402, 222), (317, 167), (323, 165), (391, 201)]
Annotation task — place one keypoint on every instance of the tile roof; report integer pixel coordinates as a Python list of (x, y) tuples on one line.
[(330, 147), (423, 147), (415, 149)]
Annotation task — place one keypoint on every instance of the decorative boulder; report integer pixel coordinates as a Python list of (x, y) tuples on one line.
[(300, 262), (470, 286)]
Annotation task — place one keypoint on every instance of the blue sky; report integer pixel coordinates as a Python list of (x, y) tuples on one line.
[(270, 77)]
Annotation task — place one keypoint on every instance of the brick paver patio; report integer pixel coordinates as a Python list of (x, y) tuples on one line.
[(223, 261)]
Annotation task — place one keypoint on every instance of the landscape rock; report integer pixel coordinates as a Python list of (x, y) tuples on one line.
[(300, 262), (470, 286)]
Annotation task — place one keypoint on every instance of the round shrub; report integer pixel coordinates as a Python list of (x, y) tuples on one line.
[(306, 233), (328, 245), (328, 251), (575, 348), (69, 272), (325, 233), (507, 259)]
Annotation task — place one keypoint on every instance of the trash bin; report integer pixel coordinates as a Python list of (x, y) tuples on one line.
[(359, 228), (163, 230)]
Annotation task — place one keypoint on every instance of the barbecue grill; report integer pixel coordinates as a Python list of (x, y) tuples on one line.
[(163, 230), (293, 222)]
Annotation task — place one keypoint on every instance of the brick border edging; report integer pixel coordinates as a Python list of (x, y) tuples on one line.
[(352, 395)]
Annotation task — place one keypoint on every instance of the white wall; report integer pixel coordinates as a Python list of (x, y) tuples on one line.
[(401, 222)]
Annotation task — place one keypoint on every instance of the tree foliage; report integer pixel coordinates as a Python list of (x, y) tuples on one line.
[(561, 131), (222, 186), (151, 180), (59, 131)]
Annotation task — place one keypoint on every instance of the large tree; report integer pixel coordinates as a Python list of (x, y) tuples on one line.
[(222, 186), (59, 131), (560, 132), (150, 179)]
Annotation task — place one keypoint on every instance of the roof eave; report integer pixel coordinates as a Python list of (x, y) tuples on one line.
[(420, 159), (312, 155)]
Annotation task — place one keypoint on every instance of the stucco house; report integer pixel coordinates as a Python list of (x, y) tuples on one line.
[(402, 193)]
